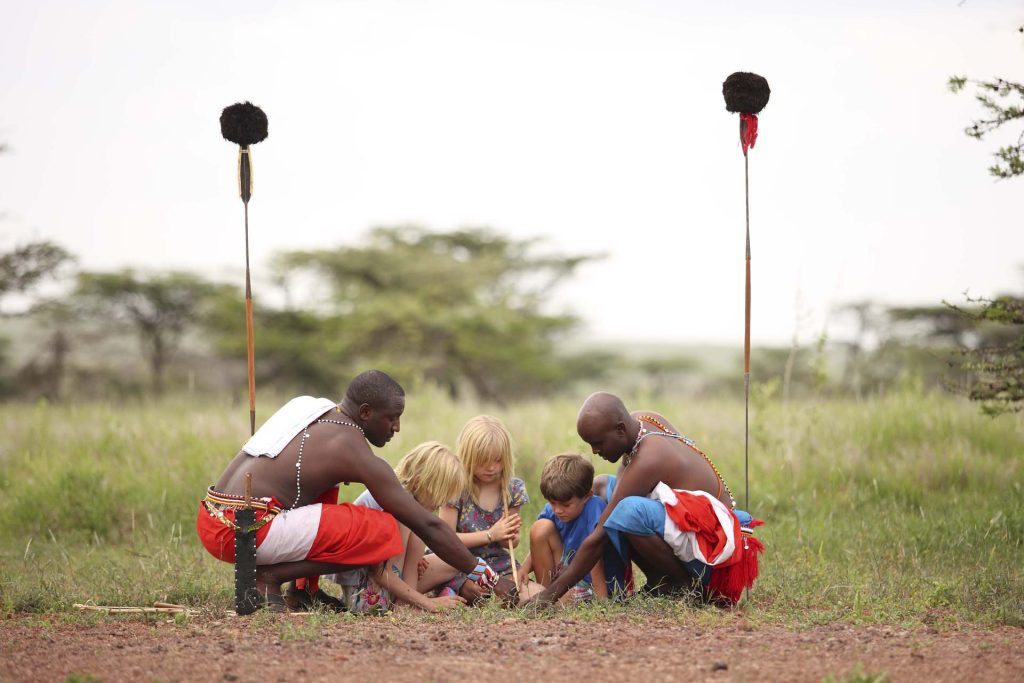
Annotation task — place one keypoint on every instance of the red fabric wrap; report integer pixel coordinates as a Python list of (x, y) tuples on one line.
[(733, 579), (355, 535), (312, 583), (696, 514), (347, 534), (730, 578), (748, 131), (218, 538)]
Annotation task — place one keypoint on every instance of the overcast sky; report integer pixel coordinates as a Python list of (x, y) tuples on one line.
[(599, 125)]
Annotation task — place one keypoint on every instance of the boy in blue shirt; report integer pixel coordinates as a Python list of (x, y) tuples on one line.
[(569, 517)]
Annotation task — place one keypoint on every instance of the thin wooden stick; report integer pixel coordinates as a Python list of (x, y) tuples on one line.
[(511, 548), (115, 609)]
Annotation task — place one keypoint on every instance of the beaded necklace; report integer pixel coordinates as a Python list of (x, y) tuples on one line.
[(644, 433), (302, 442)]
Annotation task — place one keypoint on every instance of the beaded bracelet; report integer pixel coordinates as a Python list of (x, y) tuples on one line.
[(483, 575)]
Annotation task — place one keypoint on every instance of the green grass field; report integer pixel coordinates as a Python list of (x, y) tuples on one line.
[(905, 509)]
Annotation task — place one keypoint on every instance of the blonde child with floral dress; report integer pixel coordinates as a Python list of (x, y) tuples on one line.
[(479, 517)]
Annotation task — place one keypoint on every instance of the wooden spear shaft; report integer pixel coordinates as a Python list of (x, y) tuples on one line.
[(245, 190), (511, 548), (746, 348), (249, 344)]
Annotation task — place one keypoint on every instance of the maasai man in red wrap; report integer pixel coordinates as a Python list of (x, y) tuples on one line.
[(297, 459), (669, 510)]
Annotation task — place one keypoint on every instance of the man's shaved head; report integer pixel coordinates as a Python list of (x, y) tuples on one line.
[(602, 423), (601, 410)]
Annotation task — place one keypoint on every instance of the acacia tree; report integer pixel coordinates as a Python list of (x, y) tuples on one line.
[(160, 307), (998, 362), (456, 308), (998, 366), (24, 267), (1003, 102)]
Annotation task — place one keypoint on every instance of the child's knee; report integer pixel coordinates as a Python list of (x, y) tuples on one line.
[(542, 530)]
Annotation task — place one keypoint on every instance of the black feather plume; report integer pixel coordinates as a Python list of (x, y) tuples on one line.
[(746, 93), (243, 124)]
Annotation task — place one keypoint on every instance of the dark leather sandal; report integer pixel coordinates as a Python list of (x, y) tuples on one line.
[(300, 599), (274, 602)]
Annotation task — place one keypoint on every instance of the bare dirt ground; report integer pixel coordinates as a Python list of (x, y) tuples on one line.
[(402, 648)]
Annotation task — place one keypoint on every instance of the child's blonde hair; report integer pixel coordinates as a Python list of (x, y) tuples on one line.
[(432, 474), (483, 440)]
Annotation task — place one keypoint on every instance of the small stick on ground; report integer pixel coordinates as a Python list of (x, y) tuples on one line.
[(116, 609)]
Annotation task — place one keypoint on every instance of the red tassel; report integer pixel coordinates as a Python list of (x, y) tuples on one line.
[(732, 580), (748, 131), (310, 584)]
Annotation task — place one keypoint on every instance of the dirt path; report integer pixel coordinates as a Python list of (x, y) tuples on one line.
[(403, 648)]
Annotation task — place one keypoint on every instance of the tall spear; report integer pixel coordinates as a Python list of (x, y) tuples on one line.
[(245, 124), (746, 94)]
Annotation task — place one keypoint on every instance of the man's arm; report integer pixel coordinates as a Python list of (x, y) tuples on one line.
[(598, 580), (413, 555), (384, 486)]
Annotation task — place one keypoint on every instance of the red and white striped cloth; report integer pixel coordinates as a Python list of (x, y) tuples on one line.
[(324, 531), (700, 527)]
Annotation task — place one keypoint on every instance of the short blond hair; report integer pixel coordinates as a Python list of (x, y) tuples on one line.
[(432, 474), (565, 476), (482, 440)]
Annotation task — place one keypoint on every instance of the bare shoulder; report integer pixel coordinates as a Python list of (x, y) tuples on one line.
[(664, 421), (340, 449), (600, 486)]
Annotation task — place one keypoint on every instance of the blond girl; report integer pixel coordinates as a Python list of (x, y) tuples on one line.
[(479, 517), (434, 477)]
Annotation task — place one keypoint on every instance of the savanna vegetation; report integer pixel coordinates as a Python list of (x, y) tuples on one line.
[(905, 509), (888, 497)]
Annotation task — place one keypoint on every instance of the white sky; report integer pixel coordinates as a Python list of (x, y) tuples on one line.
[(598, 124)]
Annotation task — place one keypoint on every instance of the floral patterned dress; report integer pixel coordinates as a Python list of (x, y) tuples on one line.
[(471, 517)]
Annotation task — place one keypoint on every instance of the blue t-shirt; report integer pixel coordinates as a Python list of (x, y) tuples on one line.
[(574, 532)]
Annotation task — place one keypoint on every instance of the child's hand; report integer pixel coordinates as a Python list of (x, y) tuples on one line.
[(506, 528), (421, 567), (446, 602)]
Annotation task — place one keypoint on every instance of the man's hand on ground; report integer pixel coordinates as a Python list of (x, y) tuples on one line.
[(542, 600), (507, 592), (471, 592)]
